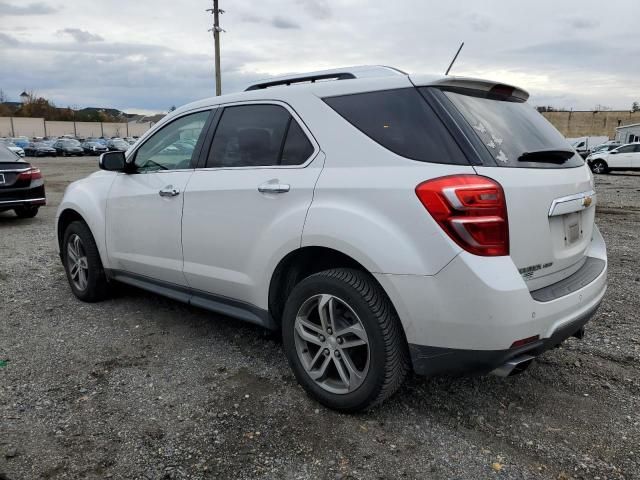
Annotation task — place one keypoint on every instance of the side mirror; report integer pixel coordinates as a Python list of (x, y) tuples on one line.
[(112, 161)]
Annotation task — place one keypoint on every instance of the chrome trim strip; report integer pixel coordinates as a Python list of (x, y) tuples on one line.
[(25, 200), (570, 198), (16, 171)]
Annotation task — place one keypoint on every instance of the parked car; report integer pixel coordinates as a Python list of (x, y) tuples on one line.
[(68, 146), (21, 185), (365, 218), (130, 140), (14, 148), (94, 148), (20, 141), (625, 157), (605, 147), (40, 149), (584, 145), (118, 144)]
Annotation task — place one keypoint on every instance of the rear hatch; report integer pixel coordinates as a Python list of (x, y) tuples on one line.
[(549, 191)]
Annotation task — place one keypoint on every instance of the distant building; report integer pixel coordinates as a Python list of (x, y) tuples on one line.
[(24, 97), (628, 133)]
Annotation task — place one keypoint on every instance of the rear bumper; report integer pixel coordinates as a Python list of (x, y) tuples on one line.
[(21, 197), (450, 361), (467, 316)]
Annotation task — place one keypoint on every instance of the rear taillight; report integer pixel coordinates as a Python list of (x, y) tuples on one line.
[(31, 174), (471, 209)]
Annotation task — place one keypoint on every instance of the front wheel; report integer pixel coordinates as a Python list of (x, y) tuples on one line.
[(344, 340), (599, 166), (82, 264)]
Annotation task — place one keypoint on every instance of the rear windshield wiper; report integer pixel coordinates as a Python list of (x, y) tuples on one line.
[(550, 155)]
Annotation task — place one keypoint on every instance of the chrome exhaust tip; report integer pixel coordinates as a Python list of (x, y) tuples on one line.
[(514, 366)]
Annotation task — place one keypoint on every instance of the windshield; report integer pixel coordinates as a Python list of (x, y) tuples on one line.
[(511, 129), (71, 143)]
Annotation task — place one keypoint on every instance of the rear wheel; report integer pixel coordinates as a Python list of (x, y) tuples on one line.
[(26, 212), (599, 166), (82, 264), (344, 340)]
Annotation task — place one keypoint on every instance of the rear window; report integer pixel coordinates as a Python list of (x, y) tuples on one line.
[(401, 121), (510, 129)]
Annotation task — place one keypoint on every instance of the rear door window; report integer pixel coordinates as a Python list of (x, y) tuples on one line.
[(258, 135), (509, 129), (401, 121)]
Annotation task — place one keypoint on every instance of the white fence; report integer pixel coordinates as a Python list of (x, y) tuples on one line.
[(39, 127)]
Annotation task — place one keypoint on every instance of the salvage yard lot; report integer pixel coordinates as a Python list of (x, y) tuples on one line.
[(144, 387)]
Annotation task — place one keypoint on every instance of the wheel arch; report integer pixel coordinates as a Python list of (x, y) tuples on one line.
[(67, 216), (301, 263)]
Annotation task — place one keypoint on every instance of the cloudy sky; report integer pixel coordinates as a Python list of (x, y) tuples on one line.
[(147, 55)]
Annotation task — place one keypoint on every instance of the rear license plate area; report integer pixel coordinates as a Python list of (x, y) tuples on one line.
[(572, 227)]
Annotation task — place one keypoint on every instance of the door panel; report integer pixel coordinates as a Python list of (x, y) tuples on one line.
[(144, 208), (233, 234), (143, 227), (622, 157), (635, 157), (246, 211)]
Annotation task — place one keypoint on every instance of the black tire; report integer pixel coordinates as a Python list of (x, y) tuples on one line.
[(26, 212), (97, 287), (388, 351), (599, 166)]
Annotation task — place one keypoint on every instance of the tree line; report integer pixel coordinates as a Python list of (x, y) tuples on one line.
[(40, 107)]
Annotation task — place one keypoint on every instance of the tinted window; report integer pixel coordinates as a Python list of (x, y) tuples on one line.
[(173, 146), (297, 147), (401, 121), (509, 129), (626, 149), (249, 136)]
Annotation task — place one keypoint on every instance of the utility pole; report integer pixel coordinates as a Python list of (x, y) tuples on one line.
[(216, 38)]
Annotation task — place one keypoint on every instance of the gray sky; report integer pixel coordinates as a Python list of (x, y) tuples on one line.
[(147, 55)]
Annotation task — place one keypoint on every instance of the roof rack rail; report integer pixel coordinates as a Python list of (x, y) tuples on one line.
[(334, 74)]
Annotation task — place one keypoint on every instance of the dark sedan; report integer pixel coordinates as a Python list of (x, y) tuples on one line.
[(118, 144), (21, 185), (39, 149), (68, 146), (94, 148)]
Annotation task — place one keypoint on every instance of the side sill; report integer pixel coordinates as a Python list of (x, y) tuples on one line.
[(214, 303)]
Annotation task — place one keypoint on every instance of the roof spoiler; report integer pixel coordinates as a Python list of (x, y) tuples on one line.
[(477, 84), (361, 71)]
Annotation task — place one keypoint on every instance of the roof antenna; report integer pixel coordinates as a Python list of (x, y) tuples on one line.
[(454, 59)]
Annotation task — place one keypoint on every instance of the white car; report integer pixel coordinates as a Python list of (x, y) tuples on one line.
[(383, 222), (14, 148), (625, 157)]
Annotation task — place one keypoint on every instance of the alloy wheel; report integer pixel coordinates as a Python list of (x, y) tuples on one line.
[(77, 262), (332, 344)]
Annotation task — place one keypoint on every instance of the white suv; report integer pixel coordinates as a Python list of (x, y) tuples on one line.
[(383, 222), (624, 157)]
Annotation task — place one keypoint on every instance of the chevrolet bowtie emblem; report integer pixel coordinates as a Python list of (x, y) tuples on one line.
[(586, 201)]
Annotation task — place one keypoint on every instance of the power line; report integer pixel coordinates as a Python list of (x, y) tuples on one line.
[(216, 39)]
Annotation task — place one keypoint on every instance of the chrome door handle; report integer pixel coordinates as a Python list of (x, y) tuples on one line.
[(169, 191), (274, 188)]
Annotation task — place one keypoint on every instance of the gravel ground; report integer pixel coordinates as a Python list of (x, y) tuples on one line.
[(143, 387)]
